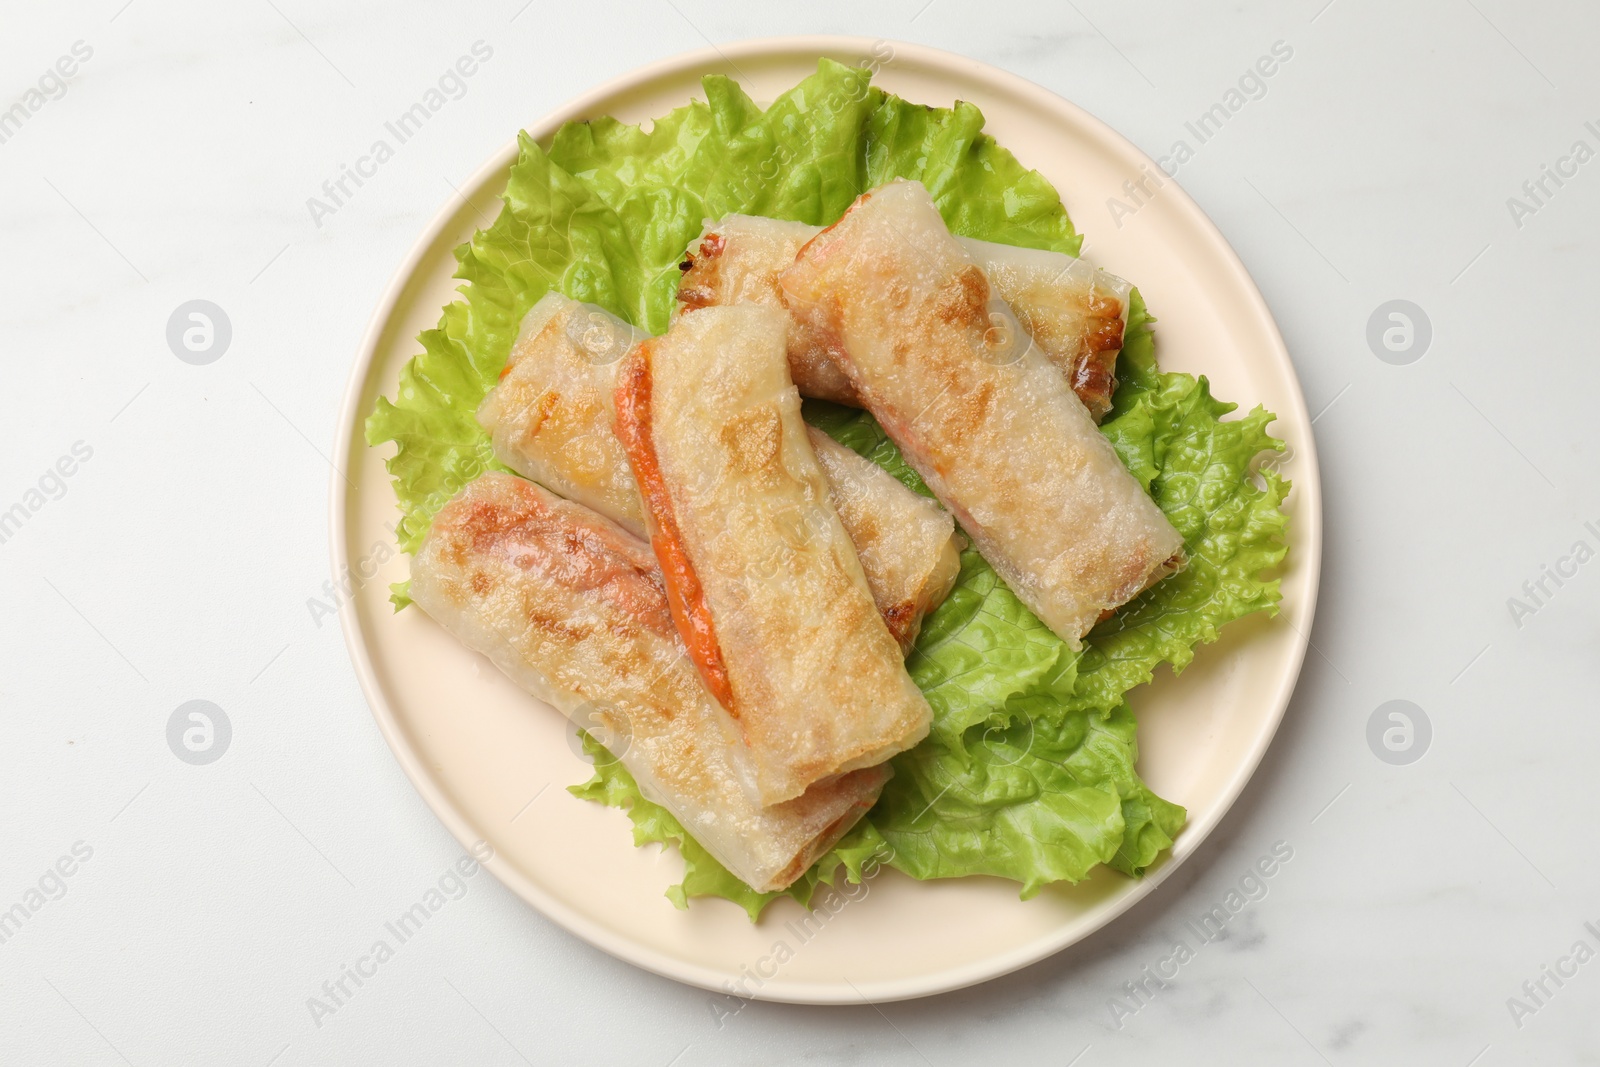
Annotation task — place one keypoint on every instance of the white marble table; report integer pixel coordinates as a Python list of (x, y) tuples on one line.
[(173, 518)]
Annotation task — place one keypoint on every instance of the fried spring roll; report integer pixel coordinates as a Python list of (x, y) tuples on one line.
[(763, 580), (550, 416), (550, 419), (572, 609), (907, 543), (1074, 311), (980, 411)]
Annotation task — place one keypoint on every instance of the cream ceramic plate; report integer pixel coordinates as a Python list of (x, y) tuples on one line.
[(493, 763)]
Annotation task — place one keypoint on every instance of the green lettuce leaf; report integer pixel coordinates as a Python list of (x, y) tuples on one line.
[(552, 233), (1171, 433), (798, 160), (1029, 771), (1037, 799), (981, 189)]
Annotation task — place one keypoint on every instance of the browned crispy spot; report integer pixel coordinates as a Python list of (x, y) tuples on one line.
[(1094, 380), (899, 618), (963, 300), (537, 532), (753, 439), (966, 412), (558, 626), (701, 269), (543, 408), (1093, 375)]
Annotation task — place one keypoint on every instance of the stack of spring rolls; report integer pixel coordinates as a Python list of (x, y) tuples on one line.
[(730, 593)]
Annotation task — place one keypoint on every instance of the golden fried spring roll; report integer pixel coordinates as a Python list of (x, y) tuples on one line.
[(1074, 311), (571, 607), (550, 418), (763, 580), (980, 411), (907, 543)]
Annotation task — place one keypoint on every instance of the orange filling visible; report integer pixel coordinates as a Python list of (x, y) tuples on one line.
[(685, 596)]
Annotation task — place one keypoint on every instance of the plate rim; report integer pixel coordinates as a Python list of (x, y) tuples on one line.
[(351, 417)]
